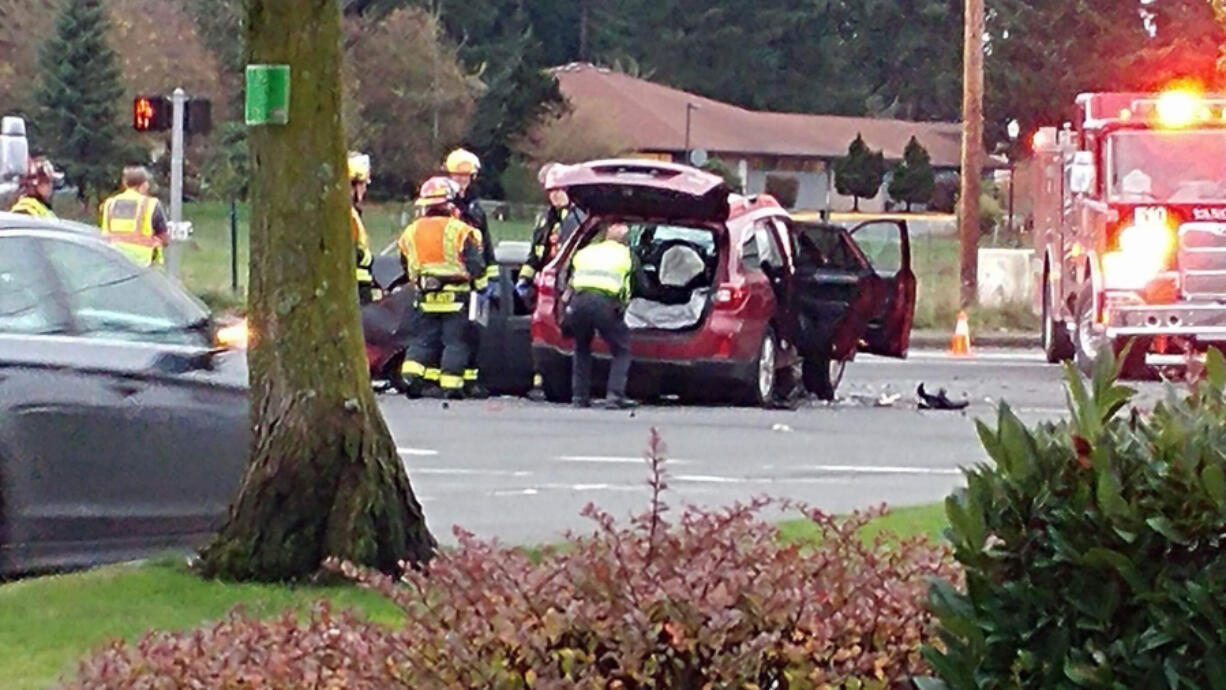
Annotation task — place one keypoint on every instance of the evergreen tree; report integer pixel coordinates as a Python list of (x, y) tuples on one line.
[(860, 174), (80, 99), (914, 180)]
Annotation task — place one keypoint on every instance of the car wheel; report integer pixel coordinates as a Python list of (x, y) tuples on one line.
[(1057, 344), (1087, 343), (761, 388), (555, 382), (823, 375)]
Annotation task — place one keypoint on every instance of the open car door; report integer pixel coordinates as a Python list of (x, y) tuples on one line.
[(887, 246), (835, 288)]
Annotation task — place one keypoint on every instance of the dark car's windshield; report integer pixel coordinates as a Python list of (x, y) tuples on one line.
[(109, 297), (1184, 166)]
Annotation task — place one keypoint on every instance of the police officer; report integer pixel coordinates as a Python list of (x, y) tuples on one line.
[(551, 231), (359, 180), (134, 222), (462, 167), (35, 189), (600, 281), (441, 255)]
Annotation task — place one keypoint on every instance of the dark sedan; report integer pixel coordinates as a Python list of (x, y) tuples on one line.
[(123, 427), (123, 430)]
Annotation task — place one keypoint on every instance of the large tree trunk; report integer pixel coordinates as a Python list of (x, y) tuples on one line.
[(325, 478)]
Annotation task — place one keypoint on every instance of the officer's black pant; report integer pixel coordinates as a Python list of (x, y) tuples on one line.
[(438, 339), (366, 293), (590, 313)]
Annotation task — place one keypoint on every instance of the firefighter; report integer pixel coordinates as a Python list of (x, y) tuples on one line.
[(134, 222), (462, 167), (35, 189), (552, 229), (441, 255), (359, 180), (600, 281)]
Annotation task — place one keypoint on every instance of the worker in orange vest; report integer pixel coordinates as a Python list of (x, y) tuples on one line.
[(441, 256)]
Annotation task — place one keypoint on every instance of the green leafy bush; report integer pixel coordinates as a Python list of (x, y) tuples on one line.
[(1093, 547)]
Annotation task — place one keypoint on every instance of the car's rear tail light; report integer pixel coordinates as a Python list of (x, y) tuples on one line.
[(730, 296)]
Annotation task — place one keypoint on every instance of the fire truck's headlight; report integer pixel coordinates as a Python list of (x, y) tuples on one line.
[(1144, 252)]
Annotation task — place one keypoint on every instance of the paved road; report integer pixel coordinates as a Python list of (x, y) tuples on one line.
[(522, 471)]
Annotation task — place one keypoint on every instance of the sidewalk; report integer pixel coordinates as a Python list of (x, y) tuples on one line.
[(932, 340)]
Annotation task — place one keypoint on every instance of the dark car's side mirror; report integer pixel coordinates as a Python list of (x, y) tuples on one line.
[(179, 363)]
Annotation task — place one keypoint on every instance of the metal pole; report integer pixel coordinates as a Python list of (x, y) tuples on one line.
[(173, 251), (234, 246)]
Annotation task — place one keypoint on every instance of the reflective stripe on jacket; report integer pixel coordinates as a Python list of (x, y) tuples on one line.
[(127, 223), (361, 242), (604, 267), (32, 206)]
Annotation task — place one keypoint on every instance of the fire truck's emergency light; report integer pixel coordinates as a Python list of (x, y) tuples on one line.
[(1177, 109), (1145, 249)]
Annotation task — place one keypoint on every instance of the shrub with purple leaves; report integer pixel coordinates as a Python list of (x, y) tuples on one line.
[(713, 599)]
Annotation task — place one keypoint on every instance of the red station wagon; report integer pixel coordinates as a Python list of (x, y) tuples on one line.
[(733, 299)]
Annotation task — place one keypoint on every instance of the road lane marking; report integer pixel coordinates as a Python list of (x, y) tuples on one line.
[(616, 460), (514, 492), (881, 469), (422, 452), (713, 479), (1042, 410), (467, 472)]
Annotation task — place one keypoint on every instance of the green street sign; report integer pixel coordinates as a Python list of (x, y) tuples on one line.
[(267, 95)]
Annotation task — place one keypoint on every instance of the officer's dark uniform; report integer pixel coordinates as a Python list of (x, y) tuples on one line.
[(554, 228), (472, 213), (441, 255), (600, 278)]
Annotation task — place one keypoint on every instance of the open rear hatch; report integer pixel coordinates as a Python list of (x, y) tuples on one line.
[(647, 190)]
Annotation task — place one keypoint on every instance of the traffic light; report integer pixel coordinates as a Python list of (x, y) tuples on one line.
[(198, 116), (152, 114)]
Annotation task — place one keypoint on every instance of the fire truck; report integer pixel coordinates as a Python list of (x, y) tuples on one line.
[(1130, 229)]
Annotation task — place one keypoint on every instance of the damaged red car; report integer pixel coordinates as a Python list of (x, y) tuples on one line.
[(732, 298)]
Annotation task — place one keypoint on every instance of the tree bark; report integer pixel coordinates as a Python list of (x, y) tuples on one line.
[(325, 478), (972, 149)]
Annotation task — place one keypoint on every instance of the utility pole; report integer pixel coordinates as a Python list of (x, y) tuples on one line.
[(972, 149)]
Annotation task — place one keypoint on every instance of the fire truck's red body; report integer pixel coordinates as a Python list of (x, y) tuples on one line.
[(1130, 227)]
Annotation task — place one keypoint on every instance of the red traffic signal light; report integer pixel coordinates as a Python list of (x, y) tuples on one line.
[(151, 114)]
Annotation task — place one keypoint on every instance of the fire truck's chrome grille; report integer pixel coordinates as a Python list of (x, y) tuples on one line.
[(1202, 260)]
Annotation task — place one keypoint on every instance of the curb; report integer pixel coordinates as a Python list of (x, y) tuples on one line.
[(931, 340)]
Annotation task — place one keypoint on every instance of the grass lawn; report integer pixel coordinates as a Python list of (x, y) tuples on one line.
[(47, 624), (904, 523), (206, 261)]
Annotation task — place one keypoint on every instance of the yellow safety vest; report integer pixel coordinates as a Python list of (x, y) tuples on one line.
[(433, 247), (362, 242), (127, 223), (604, 267), (32, 206)]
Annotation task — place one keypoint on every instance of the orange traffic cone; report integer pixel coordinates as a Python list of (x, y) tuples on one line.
[(960, 345)]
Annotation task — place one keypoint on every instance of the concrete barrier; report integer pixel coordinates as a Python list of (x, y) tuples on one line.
[(1005, 277)]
